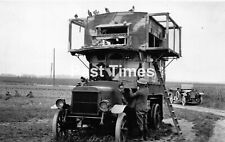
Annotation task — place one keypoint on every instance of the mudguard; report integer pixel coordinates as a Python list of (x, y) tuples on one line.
[(201, 93), (184, 94), (54, 106), (116, 109)]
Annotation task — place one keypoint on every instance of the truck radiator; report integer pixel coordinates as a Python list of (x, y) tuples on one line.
[(85, 103)]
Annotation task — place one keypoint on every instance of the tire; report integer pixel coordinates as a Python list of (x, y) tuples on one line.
[(121, 130), (59, 132), (155, 116), (183, 100), (200, 99)]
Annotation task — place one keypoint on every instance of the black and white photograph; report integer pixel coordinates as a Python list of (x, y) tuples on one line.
[(112, 71)]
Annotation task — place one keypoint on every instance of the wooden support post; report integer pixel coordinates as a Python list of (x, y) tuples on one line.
[(174, 36), (70, 37), (53, 76), (180, 42), (167, 30)]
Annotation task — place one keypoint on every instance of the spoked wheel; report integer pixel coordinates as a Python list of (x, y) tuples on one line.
[(58, 127), (121, 130), (155, 116), (183, 100), (199, 100)]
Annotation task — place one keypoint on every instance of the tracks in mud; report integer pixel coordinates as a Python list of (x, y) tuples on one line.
[(219, 126), (201, 109)]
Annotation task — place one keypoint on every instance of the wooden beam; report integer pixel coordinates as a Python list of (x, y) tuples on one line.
[(79, 22), (174, 35), (167, 30), (173, 21), (159, 14), (70, 37), (180, 42)]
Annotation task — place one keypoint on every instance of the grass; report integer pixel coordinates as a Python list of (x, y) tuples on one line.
[(214, 96), (28, 108), (214, 93), (20, 116), (13, 80), (23, 109)]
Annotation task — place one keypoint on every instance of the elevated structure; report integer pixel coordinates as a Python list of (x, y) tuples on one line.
[(135, 31), (119, 37), (121, 48)]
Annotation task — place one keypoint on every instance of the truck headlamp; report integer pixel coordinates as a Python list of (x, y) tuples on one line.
[(104, 105), (60, 103)]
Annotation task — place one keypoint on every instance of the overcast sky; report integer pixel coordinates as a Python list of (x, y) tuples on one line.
[(30, 29)]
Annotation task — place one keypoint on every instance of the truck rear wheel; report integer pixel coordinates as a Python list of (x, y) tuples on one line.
[(154, 117)]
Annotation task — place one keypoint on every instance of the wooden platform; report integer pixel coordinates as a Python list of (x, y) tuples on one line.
[(153, 51), (162, 52), (86, 50)]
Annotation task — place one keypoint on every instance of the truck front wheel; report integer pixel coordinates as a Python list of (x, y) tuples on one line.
[(58, 127), (121, 130)]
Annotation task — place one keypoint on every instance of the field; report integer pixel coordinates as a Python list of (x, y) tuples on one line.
[(20, 115), (13, 80), (214, 93), (29, 119)]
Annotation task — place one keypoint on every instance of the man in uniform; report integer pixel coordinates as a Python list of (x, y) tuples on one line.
[(139, 102)]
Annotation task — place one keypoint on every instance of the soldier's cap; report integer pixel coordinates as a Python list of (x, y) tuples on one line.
[(142, 81)]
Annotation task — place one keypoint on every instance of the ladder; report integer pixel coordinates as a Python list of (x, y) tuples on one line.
[(167, 98)]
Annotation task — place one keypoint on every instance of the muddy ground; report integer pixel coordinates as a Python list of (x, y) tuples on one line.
[(29, 119)]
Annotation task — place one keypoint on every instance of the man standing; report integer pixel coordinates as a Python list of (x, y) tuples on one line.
[(178, 94), (139, 102)]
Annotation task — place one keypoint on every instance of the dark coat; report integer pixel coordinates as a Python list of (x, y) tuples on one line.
[(140, 99)]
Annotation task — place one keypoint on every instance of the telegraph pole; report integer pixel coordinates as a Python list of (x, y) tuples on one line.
[(53, 67)]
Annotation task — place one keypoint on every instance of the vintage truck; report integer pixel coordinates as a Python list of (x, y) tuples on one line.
[(120, 47)]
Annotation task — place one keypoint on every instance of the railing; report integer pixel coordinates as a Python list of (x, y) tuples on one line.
[(172, 36)]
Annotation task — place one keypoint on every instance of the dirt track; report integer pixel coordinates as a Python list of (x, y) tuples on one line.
[(38, 130), (201, 109), (219, 130)]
